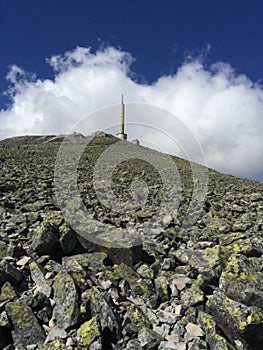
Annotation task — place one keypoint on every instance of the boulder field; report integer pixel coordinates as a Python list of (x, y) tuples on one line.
[(184, 287)]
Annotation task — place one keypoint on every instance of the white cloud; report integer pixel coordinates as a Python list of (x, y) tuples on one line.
[(223, 109)]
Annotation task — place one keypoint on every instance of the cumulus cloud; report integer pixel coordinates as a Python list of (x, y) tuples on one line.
[(223, 109)]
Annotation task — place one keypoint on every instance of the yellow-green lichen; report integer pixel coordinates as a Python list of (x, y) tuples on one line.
[(7, 292), (165, 289), (88, 332)]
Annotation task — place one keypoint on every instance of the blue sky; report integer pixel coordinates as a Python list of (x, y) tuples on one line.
[(159, 34), (162, 37)]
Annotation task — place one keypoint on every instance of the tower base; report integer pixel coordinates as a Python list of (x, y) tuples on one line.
[(122, 136)]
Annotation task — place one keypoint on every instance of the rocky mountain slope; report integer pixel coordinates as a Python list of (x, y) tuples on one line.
[(191, 288)]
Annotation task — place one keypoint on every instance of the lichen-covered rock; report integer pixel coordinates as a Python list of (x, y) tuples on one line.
[(197, 344), (215, 340), (66, 310), (163, 284), (125, 273), (38, 276), (7, 292), (109, 318), (26, 327), (162, 288), (3, 249), (237, 321), (207, 261), (46, 240), (242, 279), (9, 273), (91, 261), (149, 339), (78, 272), (56, 344), (135, 320), (257, 242), (145, 271), (243, 245), (88, 332), (4, 321), (193, 295), (129, 254), (68, 240)]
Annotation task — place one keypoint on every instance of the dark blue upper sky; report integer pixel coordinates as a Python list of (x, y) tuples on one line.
[(159, 34)]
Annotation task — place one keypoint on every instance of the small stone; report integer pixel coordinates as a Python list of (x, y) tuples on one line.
[(173, 338), (194, 330), (38, 276), (49, 275), (166, 317), (167, 264), (133, 344), (177, 309), (197, 344), (145, 271), (148, 338), (161, 287), (23, 261), (167, 220), (55, 333), (172, 346), (162, 330), (31, 347), (4, 321), (70, 342), (181, 282)]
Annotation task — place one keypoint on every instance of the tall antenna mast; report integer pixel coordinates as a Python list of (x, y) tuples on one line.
[(121, 135)]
